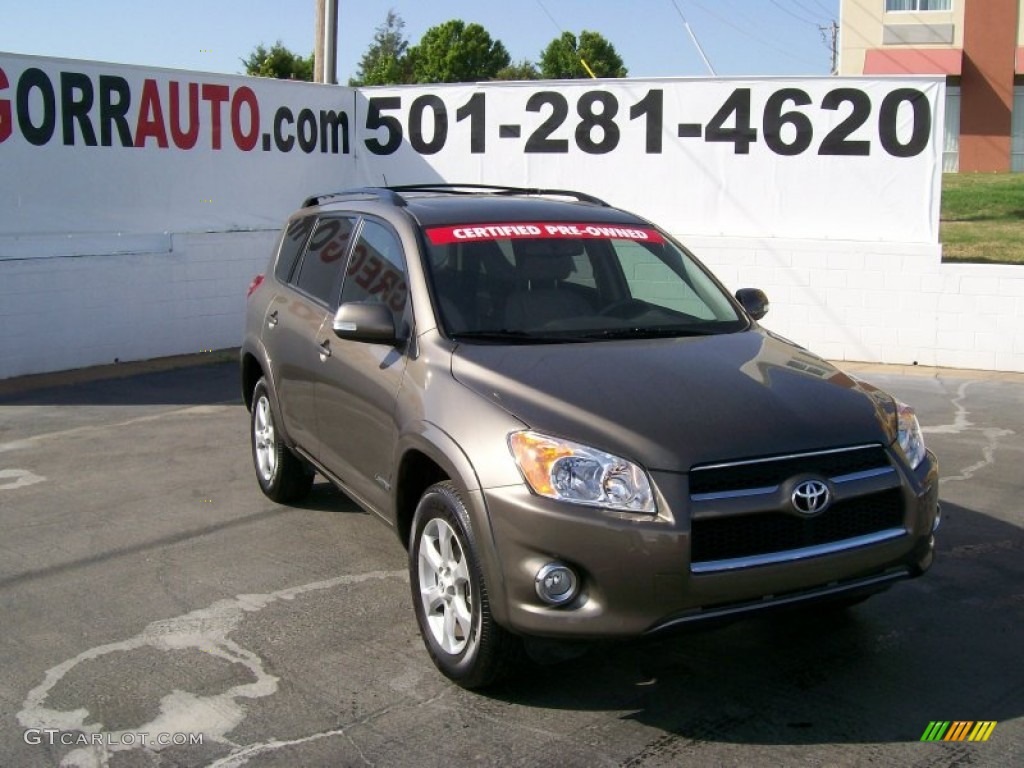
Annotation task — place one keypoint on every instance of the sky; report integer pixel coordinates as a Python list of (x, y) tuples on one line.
[(739, 37)]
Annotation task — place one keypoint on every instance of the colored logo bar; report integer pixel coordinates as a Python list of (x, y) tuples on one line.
[(958, 730)]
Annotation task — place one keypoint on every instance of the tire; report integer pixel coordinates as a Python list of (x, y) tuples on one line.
[(282, 475), (450, 596)]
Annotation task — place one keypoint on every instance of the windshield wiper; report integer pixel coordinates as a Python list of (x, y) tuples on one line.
[(509, 336), (652, 332), (506, 335)]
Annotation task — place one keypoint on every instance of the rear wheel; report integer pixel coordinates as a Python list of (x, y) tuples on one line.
[(450, 596), (282, 475)]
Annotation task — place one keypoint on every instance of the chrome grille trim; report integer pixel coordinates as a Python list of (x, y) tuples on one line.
[(783, 457), (791, 555), (865, 475), (719, 495), (767, 471)]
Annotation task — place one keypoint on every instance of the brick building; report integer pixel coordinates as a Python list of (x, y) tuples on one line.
[(977, 44)]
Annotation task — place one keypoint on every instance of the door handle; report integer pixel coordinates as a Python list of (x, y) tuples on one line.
[(272, 319), (325, 349)]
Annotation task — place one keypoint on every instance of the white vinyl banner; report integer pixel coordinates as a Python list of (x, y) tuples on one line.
[(89, 147), (814, 158)]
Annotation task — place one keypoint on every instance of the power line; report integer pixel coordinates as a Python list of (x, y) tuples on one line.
[(755, 38), (828, 11), (693, 37), (582, 60), (548, 14), (811, 12), (786, 10)]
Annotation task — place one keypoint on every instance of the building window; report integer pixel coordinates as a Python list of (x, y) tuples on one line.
[(918, 5)]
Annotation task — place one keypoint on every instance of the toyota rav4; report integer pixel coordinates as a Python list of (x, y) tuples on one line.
[(572, 427)]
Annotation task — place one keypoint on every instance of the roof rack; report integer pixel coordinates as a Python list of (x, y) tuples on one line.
[(393, 194), (469, 189), (358, 193)]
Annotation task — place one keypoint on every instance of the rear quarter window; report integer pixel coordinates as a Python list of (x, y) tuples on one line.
[(293, 239), (321, 265)]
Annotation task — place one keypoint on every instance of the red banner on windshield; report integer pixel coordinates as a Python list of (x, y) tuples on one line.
[(468, 233)]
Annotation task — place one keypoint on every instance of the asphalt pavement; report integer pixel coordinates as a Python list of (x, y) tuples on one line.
[(149, 593)]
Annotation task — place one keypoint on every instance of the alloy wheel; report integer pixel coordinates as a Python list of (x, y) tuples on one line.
[(264, 439), (445, 586)]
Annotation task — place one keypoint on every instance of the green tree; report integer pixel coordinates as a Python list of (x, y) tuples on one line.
[(524, 70), (278, 62), (456, 52), (564, 56), (385, 61)]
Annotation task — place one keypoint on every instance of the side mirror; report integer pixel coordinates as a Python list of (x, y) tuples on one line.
[(754, 301), (365, 321)]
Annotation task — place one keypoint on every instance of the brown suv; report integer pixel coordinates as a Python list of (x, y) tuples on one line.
[(571, 425)]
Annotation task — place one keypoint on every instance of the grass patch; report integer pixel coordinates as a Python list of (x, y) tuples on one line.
[(982, 217)]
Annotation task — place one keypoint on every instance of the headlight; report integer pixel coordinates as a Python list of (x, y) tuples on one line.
[(910, 438), (567, 471)]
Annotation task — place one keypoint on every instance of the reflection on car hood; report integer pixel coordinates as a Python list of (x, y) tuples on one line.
[(673, 403)]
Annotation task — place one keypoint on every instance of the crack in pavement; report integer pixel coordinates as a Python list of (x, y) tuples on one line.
[(962, 423), (214, 716), (242, 755)]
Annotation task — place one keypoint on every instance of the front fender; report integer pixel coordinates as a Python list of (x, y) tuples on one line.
[(441, 448)]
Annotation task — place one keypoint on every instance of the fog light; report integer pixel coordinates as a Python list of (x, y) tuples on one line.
[(938, 518), (556, 584)]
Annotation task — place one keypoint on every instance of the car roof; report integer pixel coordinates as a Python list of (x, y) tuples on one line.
[(446, 204), (438, 210)]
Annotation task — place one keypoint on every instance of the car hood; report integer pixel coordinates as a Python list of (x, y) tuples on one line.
[(672, 403)]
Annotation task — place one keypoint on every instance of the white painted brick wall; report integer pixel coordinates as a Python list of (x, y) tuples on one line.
[(868, 302), (877, 302), (66, 312)]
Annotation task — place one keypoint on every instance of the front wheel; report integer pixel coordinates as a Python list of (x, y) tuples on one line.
[(450, 596)]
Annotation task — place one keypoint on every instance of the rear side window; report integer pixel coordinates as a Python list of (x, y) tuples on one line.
[(376, 269), (321, 264), (292, 242)]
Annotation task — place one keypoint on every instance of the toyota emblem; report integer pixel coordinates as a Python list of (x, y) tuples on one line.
[(810, 497)]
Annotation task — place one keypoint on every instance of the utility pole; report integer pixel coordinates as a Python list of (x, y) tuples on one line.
[(830, 37), (325, 42), (318, 42)]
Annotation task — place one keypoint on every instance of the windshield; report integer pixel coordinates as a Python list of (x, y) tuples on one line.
[(561, 281)]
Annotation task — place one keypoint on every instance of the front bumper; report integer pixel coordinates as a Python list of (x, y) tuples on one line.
[(636, 573)]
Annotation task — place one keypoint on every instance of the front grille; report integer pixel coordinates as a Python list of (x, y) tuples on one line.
[(766, 473), (724, 538)]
